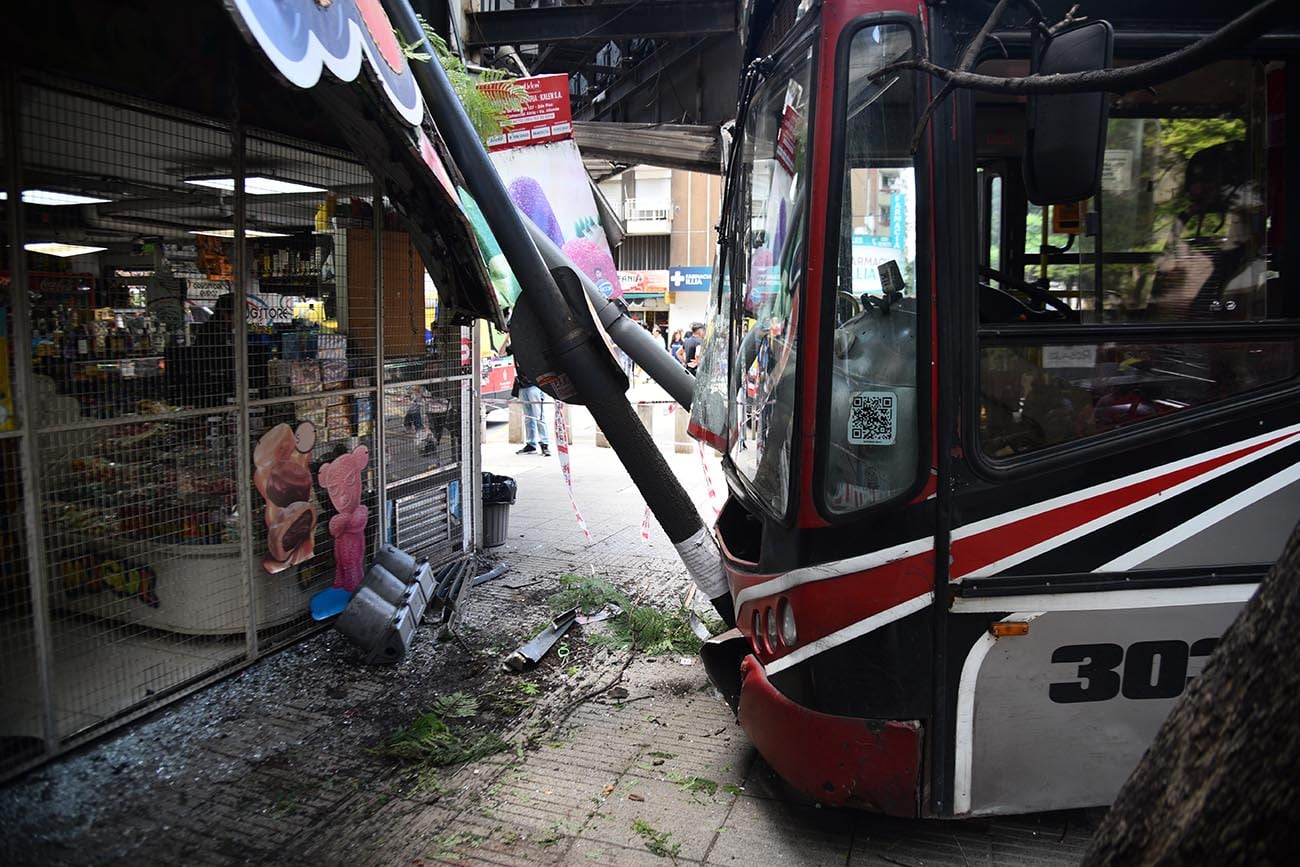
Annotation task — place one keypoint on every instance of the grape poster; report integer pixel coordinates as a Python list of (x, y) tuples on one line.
[(548, 183)]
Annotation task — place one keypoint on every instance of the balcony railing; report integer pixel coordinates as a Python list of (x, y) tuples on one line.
[(641, 210)]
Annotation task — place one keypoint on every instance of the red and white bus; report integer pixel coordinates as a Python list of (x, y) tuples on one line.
[(1005, 471)]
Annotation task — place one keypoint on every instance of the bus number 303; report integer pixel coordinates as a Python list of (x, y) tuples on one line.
[(1148, 669)]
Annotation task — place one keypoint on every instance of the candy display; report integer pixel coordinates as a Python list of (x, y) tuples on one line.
[(341, 479), (283, 478)]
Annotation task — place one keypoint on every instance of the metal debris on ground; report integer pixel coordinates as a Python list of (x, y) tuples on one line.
[(496, 572), (389, 604), (530, 652)]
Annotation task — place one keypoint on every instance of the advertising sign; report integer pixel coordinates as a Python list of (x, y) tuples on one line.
[(545, 115), (870, 252), (898, 221), (549, 184), (690, 278), (653, 282)]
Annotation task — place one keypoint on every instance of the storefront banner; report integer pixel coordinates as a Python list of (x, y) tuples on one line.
[(544, 116), (690, 278), (869, 253), (898, 221), (271, 309), (653, 282), (549, 184), (302, 38)]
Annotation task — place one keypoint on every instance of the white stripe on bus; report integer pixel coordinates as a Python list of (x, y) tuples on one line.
[(1107, 600), (1206, 519), (835, 569), (848, 633), (1111, 517), (965, 723), (1030, 511)]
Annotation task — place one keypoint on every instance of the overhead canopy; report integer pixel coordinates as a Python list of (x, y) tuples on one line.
[(602, 21), (673, 146), (121, 46)]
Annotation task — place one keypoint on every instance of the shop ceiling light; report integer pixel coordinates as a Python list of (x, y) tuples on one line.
[(256, 185), (52, 248), (230, 233), (50, 197)]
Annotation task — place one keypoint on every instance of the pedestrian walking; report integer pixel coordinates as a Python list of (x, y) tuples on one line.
[(675, 347), (533, 400), (691, 347)]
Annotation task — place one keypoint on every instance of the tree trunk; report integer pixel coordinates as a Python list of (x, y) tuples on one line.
[(1221, 782)]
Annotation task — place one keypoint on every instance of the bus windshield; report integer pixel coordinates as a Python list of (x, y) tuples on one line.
[(871, 441), (767, 268)]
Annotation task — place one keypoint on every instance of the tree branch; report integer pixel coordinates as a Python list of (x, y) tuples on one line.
[(1069, 19), (1241, 30), (967, 63)]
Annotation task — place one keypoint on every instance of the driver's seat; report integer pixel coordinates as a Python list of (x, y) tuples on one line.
[(999, 307)]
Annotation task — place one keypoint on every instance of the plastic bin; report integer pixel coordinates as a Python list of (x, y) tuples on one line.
[(498, 489), (498, 495), (496, 524)]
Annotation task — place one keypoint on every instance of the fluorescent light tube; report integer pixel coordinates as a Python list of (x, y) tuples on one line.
[(230, 233), (52, 248), (50, 197), (256, 185)]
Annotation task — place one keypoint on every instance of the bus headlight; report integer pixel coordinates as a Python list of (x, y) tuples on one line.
[(785, 616), (756, 630), (770, 616)]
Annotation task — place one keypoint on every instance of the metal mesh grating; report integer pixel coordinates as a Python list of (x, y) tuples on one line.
[(21, 710), (200, 474), (426, 408)]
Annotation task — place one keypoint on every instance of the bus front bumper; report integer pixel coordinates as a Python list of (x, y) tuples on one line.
[(869, 764)]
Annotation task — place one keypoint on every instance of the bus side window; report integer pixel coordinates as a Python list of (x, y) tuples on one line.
[(1188, 226)]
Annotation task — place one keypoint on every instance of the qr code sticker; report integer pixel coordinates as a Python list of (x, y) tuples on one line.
[(873, 418)]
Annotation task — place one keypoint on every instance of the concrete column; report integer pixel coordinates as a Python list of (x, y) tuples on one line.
[(515, 426), (682, 444), (646, 412)]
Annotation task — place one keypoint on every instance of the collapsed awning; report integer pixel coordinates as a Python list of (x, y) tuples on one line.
[(671, 146)]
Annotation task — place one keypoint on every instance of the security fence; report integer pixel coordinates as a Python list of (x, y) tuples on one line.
[(177, 479)]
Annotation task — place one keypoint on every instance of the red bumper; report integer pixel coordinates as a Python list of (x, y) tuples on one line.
[(842, 761)]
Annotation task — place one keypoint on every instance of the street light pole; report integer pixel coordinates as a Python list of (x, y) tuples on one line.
[(575, 346)]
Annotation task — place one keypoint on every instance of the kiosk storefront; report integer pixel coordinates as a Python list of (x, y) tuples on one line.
[(225, 376)]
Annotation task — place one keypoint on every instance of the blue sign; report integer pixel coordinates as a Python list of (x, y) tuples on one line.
[(691, 278), (898, 220)]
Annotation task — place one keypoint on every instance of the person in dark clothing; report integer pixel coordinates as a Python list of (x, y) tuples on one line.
[(691, 347)]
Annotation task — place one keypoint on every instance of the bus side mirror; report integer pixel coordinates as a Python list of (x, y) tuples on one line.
[(1065, 137)]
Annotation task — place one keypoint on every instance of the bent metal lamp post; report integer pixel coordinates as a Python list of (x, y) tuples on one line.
[(575, 346)]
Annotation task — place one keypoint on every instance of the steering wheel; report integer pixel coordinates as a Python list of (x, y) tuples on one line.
[(1038, 294)]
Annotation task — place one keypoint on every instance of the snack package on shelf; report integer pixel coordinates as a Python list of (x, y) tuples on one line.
[(305, 376)]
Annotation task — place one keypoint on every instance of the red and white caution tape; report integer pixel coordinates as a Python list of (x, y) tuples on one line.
[(562, 449), (708, 480)]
